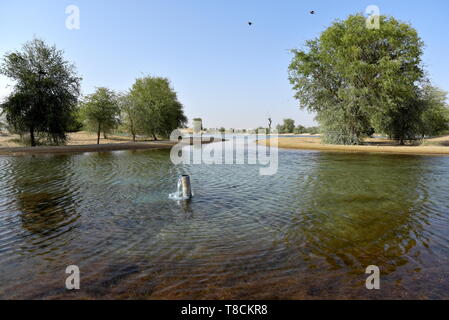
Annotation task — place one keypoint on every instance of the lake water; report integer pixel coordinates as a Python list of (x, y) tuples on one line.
[(307, 232)]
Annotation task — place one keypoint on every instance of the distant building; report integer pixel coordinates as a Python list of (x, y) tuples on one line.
[(197, 125)]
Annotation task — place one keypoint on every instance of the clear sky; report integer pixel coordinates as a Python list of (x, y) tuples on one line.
[(224, 71)]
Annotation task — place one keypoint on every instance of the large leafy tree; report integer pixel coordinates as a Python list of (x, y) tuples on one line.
[(45, 93), (100, 111), (158, 107), (357, 78)]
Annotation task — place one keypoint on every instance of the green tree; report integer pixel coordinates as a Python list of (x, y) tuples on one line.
[(357, 79), (287, 127), (300, 129), (313, 130), (45, 93), (435, 118), (158, 107), (100, 111), (129, 114)]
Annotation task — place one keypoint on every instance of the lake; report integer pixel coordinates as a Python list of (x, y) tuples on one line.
[(308, 231)]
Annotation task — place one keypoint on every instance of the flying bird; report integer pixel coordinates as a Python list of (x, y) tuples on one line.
[(312, 12), (250, 23)]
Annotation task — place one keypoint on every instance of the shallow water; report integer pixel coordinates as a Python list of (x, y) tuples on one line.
[(307, 232)]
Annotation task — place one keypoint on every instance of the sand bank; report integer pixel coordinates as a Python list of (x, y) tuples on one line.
[(85, 142), (437, 146)]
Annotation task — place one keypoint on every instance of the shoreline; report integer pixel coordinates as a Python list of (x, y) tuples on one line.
[(19, 151), (67, 149), (308, 144)]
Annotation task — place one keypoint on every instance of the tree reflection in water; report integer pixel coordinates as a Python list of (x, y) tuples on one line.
[(356, 211), (46, 204)]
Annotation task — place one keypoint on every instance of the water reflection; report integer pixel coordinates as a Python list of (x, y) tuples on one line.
[(357, 211), (44, 213), (186, 208), (47, 203), (309, 231), (361, 211)]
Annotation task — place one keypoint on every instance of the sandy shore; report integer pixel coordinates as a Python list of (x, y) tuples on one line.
[(437, 146), (84, 142), (75, 139)]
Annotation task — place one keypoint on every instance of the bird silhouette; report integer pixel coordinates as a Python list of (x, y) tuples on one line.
[(250, 23), (312, 12)]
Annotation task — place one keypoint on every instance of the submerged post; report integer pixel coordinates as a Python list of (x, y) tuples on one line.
[(186, 189)]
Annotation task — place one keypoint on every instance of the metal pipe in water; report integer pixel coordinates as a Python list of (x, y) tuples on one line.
[(186, 188)]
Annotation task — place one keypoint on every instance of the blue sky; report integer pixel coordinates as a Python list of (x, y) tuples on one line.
[(224, 71)]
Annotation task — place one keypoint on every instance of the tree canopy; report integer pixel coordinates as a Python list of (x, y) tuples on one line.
[(129, 115), (45, 93), (159, 111), (100, 111), (435, 118), (359, 80), (287, 127)]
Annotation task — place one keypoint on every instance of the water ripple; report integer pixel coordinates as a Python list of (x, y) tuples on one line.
[(316, 224)]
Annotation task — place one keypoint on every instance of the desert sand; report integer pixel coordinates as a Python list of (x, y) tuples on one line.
[(84, 142), (435, 146)]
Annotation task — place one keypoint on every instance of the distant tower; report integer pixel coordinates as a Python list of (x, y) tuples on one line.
[(197, 125)]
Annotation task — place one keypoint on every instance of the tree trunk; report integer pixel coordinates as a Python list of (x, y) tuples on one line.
[(32, 139), (133, 131), (154, 137), (98, 134)]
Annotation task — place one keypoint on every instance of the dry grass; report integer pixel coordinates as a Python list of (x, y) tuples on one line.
[(82, 138), (436, 146), (87, 142), (75, 139)]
